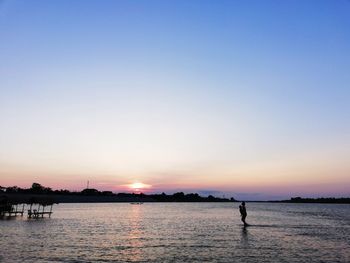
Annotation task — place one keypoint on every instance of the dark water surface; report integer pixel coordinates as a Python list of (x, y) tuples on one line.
[(180, 232)]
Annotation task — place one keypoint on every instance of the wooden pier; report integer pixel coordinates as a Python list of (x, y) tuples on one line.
[(39, 212), (10, 210), (12, 207)]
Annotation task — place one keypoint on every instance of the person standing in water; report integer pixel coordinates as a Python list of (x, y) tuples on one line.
[(243, 212)]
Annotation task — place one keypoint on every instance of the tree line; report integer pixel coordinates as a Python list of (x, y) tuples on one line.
[(38, 189)]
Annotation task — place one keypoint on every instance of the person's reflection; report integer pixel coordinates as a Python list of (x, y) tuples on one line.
[(244, 236)]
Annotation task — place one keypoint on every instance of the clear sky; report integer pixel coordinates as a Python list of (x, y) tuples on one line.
[(244, 98)]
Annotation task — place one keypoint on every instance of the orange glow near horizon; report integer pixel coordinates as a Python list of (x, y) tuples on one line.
[(137, 186)]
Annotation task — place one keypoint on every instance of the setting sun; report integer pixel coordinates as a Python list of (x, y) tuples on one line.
[(138, 186)]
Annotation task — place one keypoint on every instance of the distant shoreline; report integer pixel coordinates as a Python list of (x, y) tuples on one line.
[(321, 200), (141, 198), (44, 194), (115, 198)]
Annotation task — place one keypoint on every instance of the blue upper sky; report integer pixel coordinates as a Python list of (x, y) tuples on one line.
[(248, 97)]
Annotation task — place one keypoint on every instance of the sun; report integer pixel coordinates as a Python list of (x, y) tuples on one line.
[(138, 186)]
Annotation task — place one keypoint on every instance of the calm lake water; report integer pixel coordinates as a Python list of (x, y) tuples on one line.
[(180, 232)]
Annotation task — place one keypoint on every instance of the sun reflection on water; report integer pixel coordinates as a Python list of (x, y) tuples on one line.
[(135, 233)]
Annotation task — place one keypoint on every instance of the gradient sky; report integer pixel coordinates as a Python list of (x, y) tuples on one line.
[(244, 98)]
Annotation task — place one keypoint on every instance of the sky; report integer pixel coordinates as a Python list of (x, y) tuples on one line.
[(248, 99)]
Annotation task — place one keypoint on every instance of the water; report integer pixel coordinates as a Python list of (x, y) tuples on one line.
[(180, 232)]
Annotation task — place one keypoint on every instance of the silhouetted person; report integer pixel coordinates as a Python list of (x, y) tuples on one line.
[(243, 212)]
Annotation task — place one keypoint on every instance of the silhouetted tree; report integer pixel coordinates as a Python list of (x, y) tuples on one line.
[(211, 198), (12, 189), (39, 189), (90, 191), (180, 196), (109, 193)]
